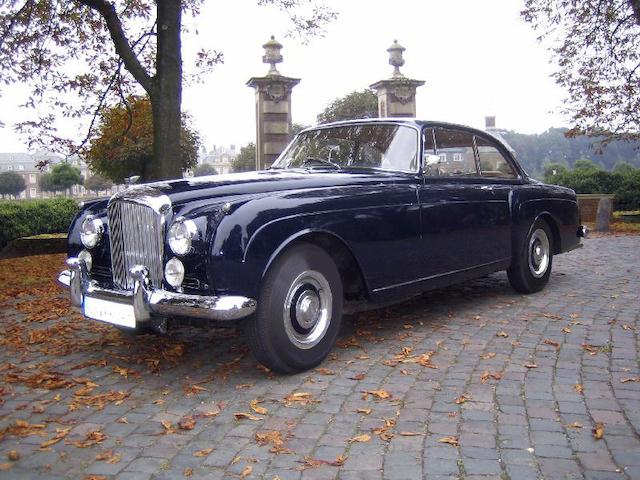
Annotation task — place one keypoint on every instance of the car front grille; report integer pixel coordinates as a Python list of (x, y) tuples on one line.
[(137, 238)]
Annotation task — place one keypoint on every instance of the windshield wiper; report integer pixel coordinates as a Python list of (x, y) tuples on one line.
[(321, 161)]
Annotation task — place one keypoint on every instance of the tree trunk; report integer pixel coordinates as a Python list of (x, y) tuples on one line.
[(635, 5), (166, 96)]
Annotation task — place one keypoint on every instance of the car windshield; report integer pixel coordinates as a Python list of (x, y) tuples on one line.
[(378, 146)]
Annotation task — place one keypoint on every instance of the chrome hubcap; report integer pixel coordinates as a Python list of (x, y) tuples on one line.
[(539, 253), (307, 309)]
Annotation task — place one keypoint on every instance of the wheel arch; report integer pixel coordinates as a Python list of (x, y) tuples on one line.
[(353, 281), (555, 231)]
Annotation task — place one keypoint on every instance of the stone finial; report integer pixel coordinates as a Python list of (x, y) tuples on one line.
[(395, 58), (272, 55)]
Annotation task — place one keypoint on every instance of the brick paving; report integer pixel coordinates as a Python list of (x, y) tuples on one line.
[(532, 375)]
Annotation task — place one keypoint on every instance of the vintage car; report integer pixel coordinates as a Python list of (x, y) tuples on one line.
[(352, 213)]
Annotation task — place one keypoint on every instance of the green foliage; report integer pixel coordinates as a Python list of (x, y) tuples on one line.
[(536, 150), (586, 177), (362, 104), (62, 177), (96, 183), (124, 144), (204, 169), (246, 159), (11, 183), (33, 217)]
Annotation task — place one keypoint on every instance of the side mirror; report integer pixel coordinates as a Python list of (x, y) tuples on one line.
[(431, 160)]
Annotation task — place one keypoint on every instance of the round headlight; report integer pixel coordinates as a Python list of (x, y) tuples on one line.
[(86, 257), (174, 272), (180, 235), (91, 231)]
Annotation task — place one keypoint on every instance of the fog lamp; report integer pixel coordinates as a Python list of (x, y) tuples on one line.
[(174, 272)]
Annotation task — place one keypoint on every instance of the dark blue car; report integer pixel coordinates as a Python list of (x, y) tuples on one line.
[(352, 213)]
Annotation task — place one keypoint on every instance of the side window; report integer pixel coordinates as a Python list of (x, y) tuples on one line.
[(492, 162), (455, 149)]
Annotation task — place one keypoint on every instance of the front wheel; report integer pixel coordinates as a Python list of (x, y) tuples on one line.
[(531, 269), (299, 310)]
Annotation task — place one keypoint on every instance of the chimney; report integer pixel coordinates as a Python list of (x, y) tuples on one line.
[(489, 122)]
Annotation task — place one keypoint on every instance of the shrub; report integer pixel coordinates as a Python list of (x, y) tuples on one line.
[(34, 217)]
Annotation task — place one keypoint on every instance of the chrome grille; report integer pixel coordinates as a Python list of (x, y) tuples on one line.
[(137, 238)]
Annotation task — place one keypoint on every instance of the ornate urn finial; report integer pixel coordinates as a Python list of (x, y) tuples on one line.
[(395, 58), (272, 55)]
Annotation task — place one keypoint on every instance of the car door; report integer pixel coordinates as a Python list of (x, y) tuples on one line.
[(465, 221)]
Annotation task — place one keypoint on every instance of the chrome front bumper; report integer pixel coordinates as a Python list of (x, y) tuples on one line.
[(148, 302)]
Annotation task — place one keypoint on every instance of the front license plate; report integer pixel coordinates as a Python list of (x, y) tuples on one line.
[(111, 312)]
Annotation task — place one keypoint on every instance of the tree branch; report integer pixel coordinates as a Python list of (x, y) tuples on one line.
[(123, 48)]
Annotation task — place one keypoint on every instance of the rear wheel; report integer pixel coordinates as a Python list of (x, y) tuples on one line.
[(299, 310), (532, 267)]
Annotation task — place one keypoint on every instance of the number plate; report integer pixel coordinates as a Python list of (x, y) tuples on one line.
[(111, 312)]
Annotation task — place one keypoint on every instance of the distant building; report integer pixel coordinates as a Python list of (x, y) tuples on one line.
[(25, 164), (220, 158)]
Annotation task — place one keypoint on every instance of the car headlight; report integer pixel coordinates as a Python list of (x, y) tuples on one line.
[(180, 236), (91, 231), (174, 272)]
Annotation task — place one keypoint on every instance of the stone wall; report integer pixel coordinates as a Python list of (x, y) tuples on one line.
[(588, 204)]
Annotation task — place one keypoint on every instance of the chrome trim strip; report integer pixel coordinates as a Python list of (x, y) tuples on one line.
[(149, 302), (418, 280)]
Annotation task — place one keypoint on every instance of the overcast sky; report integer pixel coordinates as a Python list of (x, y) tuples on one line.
[(477, 57)]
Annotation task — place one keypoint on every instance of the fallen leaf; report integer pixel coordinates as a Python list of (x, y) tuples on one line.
[(13, 455), (60, 434), (365, 437), (203, 453), (598, 431), (187, 423), (273, 438), (325, 371), (503, 334), (257, 408), (592, 349), (578, 387), (246, 471), (365, 411), (630, 379), (452, 440), (5, 466), (553, 343), (309, 462), (191, 390), (381, 394), (92, 438), (530, 365), (244, 385), (168, 427), (187, 472), (298, 398), (566, 329), (243, 415), (574, 425), (358, 376), (410, 434), (109, 456), (487, 375), (462, 399), (488, 355)]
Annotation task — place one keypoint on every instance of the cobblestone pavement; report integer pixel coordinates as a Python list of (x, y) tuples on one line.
[(473, 381)]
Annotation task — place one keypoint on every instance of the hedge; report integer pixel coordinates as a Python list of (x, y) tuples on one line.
[(33, 217)]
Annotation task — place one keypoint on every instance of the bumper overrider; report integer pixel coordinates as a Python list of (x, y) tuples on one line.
[(145, 302)]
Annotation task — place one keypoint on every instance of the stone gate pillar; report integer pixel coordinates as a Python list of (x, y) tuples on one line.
[(273, 108), (397, 95)]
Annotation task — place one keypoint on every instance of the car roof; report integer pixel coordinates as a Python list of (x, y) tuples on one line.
[(410, 121)]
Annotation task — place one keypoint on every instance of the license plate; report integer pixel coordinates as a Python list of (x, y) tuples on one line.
[(111, 312)]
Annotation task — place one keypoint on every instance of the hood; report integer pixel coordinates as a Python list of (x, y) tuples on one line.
[(223, 188)]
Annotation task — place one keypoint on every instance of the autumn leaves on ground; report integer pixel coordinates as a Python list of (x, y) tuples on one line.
[(473, 378)]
